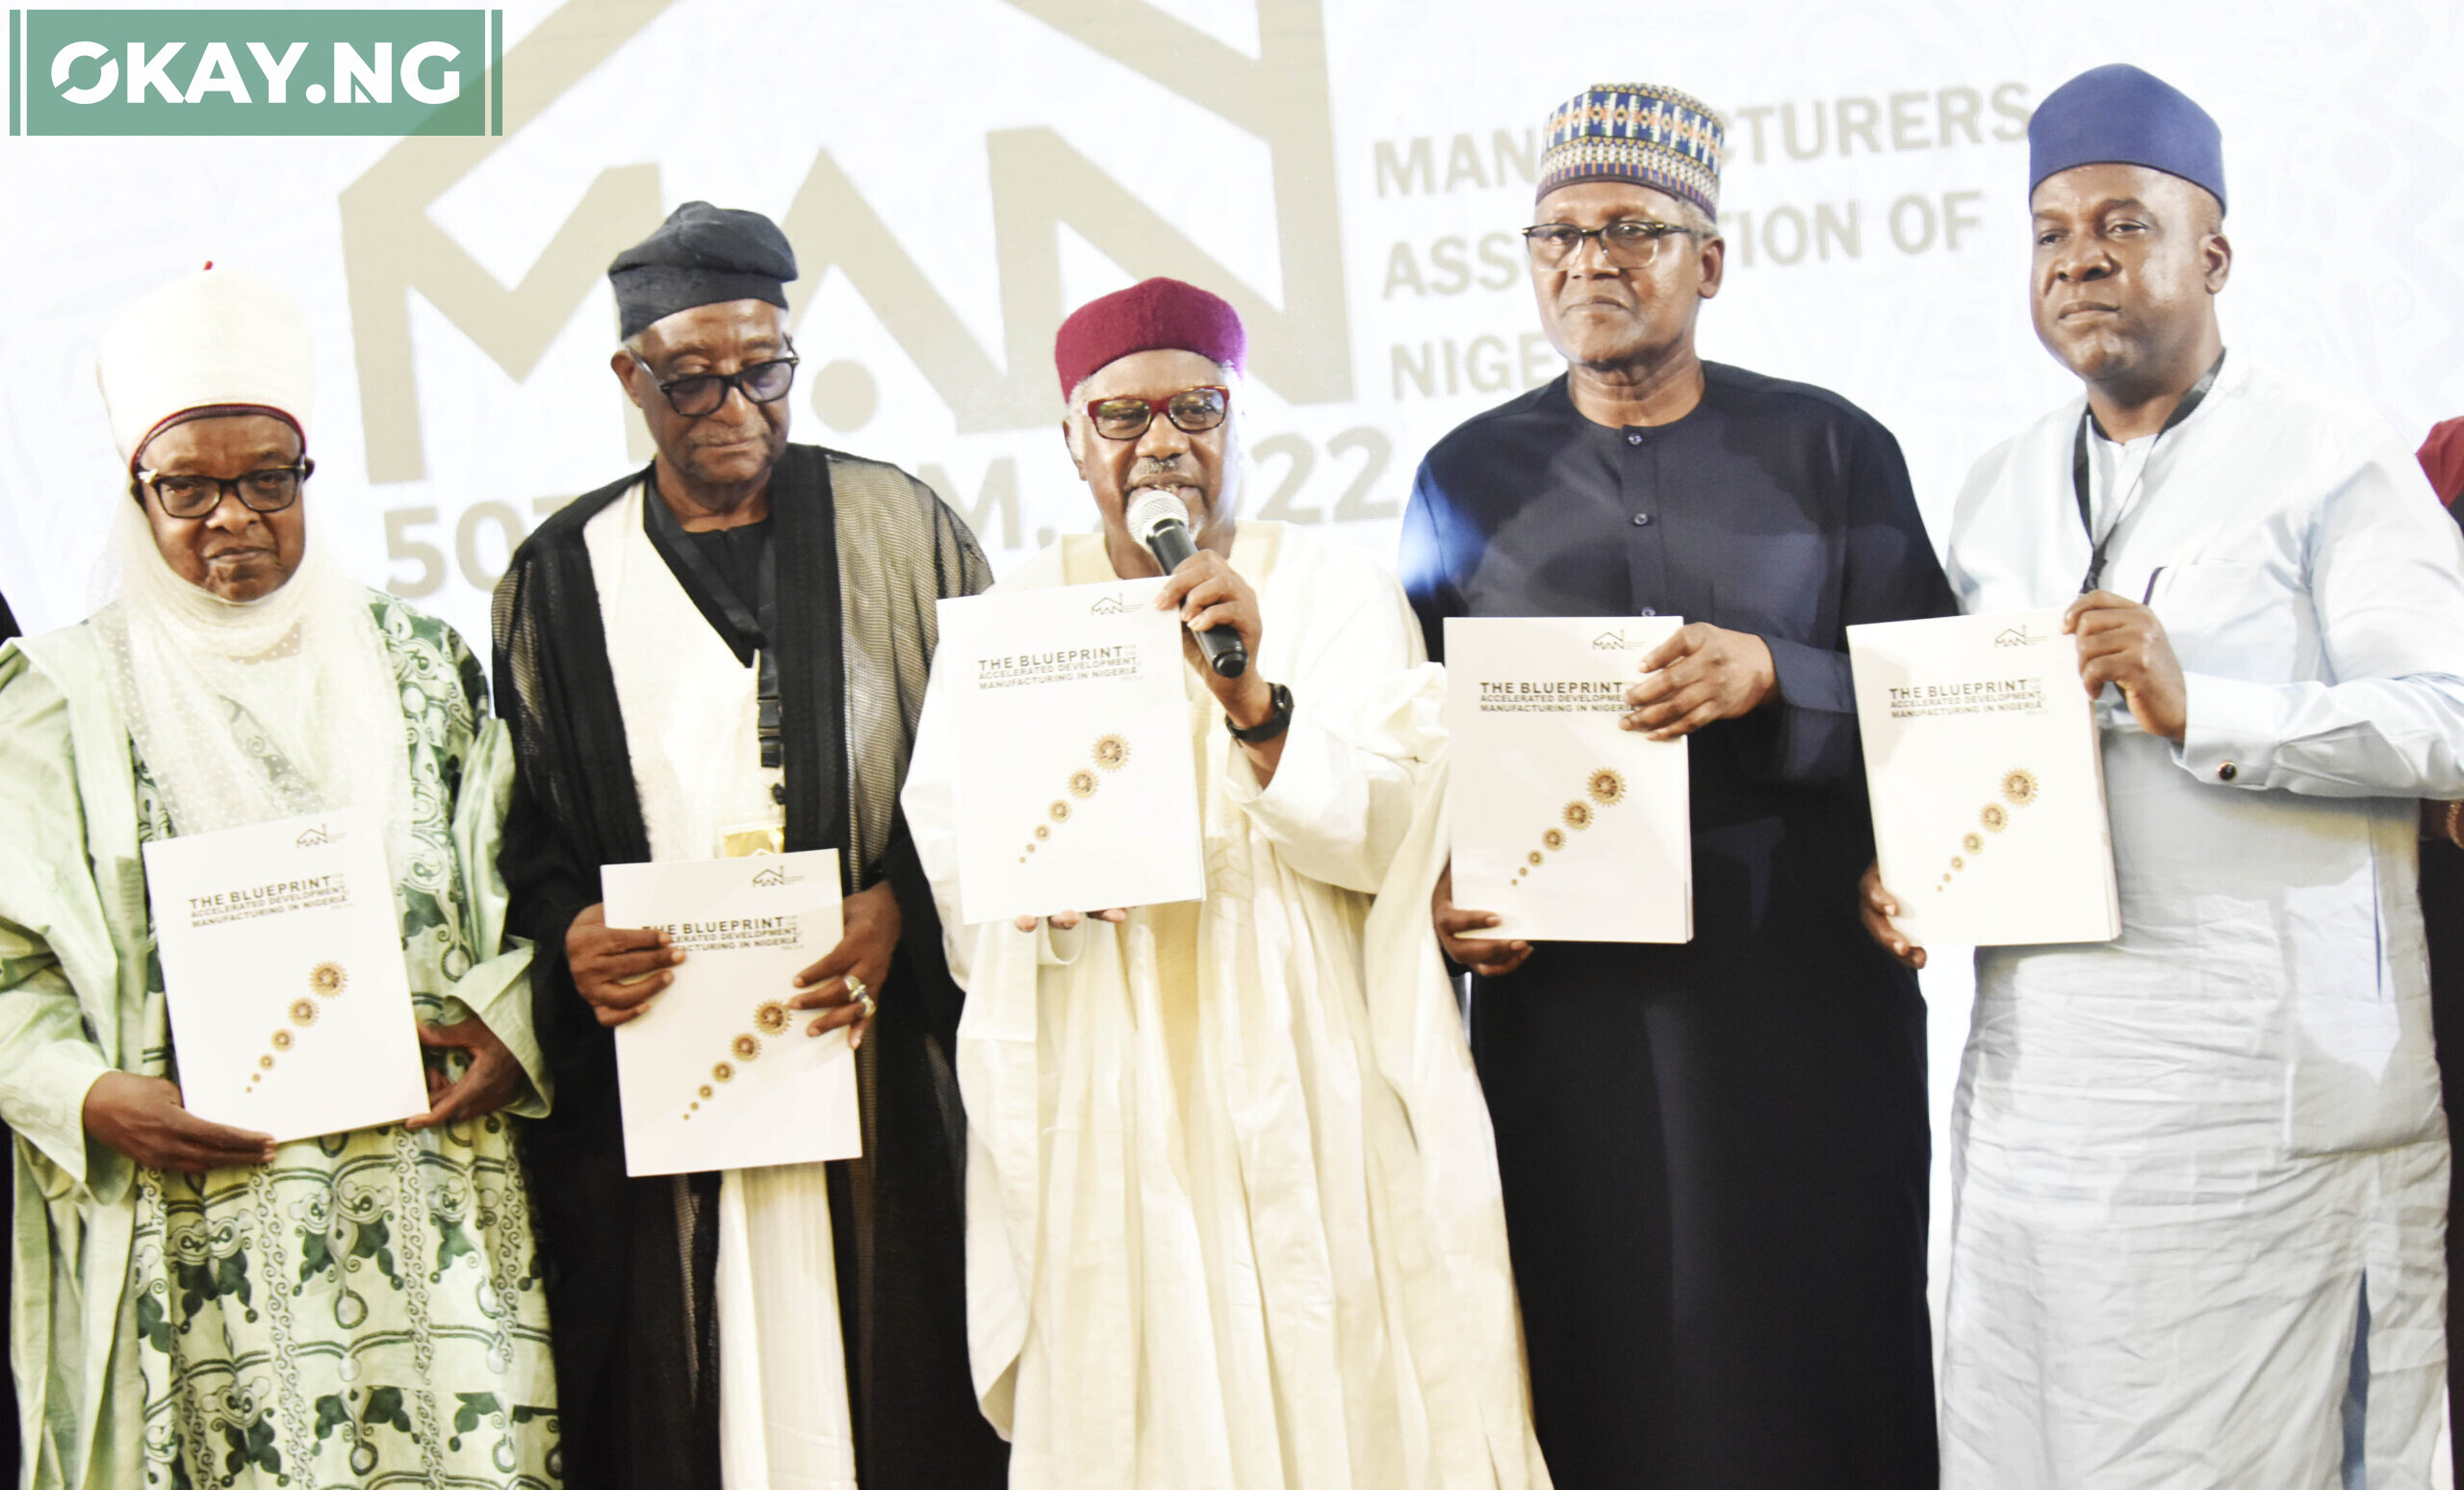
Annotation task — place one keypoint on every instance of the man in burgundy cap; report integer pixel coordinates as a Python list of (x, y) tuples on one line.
[(1233, 1213), (2441, 891)]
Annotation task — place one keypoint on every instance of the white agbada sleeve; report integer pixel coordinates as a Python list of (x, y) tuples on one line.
[(2386, 571), (1339, 804), (999, 1065)]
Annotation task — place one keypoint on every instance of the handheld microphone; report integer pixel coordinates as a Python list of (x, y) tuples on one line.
[(1159, 520)]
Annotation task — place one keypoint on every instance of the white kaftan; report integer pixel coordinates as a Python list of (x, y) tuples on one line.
[(2178, 1158), (1233, 1211), (691, 722)]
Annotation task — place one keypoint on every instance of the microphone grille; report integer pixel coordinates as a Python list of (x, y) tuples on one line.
[(1153, 508)]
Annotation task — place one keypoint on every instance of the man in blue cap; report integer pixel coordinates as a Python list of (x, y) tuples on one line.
[(2202, 1169)]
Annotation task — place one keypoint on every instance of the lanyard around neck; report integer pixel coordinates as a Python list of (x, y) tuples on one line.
[(2125, 502)]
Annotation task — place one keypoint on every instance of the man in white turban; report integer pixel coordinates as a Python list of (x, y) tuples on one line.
[(197, 1304)]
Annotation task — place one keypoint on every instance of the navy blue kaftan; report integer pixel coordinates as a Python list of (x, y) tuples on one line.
[(1714, 1155)]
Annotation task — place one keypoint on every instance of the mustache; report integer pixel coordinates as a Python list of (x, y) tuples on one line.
[(1166, 472)]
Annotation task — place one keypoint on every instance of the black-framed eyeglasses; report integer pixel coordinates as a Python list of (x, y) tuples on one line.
[(1629, 243), (702, 393), (1192, 411), (185, 495)]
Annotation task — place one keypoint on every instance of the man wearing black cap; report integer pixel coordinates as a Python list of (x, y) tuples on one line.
[(724, 653), (2201, 1168)]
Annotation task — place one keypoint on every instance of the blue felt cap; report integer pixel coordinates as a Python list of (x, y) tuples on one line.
[(2117, 114)]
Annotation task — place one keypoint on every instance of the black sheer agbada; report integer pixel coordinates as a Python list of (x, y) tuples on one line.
[(862, 552)]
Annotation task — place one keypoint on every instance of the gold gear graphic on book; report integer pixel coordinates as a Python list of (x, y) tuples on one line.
[(1602, 788), (771, 1018), (326, 980), (1110, 753), (2018, 789)]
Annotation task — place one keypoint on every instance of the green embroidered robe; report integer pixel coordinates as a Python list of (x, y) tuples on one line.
[(366, 1308)]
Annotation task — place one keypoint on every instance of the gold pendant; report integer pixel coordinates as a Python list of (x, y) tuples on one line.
[(745, 840)]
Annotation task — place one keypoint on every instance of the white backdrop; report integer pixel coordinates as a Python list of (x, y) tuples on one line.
[(956, 176)]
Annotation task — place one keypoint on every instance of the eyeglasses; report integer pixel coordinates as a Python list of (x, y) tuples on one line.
[(1630, 242), (1192, 411), (702, 393), (272, 490)]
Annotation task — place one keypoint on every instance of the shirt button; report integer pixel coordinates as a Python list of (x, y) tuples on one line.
[(2226, 772), (1642, 520), (1650, 610), (1633, 439)]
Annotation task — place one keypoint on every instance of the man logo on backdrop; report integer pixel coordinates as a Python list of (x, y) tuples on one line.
[(393, 248), (440, 73), (256, 72)]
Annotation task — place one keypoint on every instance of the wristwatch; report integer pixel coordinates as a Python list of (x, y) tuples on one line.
[(1269, 727)]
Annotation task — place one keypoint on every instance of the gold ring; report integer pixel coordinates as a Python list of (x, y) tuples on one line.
[(866, 999), (856, 988)]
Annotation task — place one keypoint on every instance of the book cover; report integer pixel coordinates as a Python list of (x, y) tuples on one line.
[(1986, 782), (1081, 790), (1568, 826)]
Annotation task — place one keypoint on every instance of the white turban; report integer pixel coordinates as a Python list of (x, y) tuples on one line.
[(214, 339), (244, 711)]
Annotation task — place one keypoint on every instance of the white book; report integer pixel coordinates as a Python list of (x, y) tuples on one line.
[(1079, 789), (1986, 782), (1567, 826), (717, 1072), (282, 964)]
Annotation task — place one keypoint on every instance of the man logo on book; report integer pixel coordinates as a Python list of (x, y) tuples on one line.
[(314, 837), (1108, 605), (1609, 641), (2018, 636), (775, 875)]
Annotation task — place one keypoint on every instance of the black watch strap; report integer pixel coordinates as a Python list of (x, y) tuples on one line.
[(1269, 727)]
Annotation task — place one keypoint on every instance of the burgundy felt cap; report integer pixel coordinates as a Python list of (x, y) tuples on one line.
[(2442, 457), (1149, 316)]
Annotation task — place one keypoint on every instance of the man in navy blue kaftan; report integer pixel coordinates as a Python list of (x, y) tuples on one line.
[(1713, 1154)]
